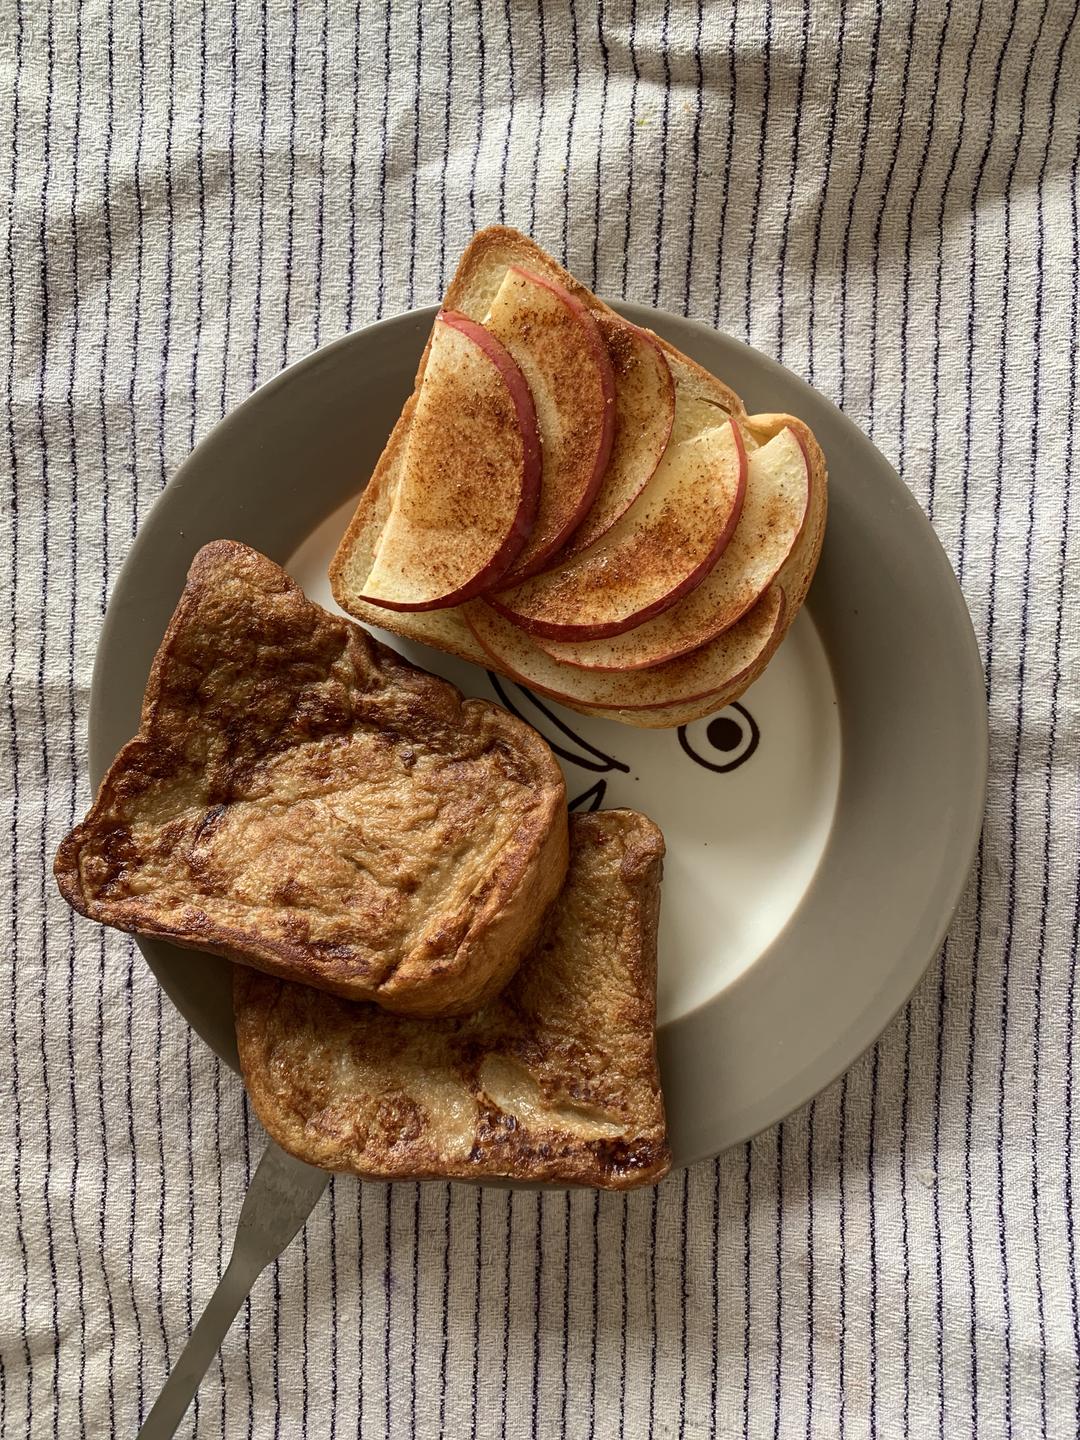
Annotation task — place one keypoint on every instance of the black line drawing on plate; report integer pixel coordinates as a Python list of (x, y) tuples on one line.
[(732, 732), (599, 761), (594, 797), (736, 735)]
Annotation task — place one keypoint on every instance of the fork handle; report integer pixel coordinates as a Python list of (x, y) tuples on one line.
[(203, 1344)]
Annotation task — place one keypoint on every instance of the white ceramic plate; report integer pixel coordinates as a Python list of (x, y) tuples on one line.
[(819, 833)]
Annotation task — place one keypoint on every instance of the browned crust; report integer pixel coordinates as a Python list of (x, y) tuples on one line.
[(401, 706), (440, 632), (325, 1077)]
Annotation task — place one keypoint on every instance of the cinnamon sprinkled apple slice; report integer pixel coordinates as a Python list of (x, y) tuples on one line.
[(466, 499)]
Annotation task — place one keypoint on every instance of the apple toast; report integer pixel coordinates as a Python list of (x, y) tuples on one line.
[(302, 799), (704, 528), (553, 1081)]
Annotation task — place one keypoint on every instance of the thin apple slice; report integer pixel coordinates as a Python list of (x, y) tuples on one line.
[(664, 545), (773, 515), (465, 502), (644, 413), (556, 343), (732, 659)]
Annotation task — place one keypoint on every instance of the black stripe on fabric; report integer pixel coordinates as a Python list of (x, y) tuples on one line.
[(256, 319), (811, 1293), (595, 1310), (605, 65), (477, 1274), (200, 171), (360, 1293), (658, 233), (748, 1152), (245, 1119), (653, 1308), (415, 1305), (230, 262), (388, 1291), (541, 55), (905, 1244), (446, 144), (729, 151), (778, 1354), (1011, 889), (871, 1167), (976, 965), (630, 156), (511, 105), (16, 817), (481, 81), (73, 769), (890, 174), (845, 251), (624, 1208), (538, 1276), (714, 1374), (696, 153), (290, 192), (384, 143), (575, 63), (332, 1227), (940, 46), (823, 195), (942, 999), (446, 1309), (1070, 1011), (684, 1237), (507, 1283), (759, 166), (566, 1312), (320, 209), (841, 1158), (418, 50), (45, 336), (785, 230), (350, 283)]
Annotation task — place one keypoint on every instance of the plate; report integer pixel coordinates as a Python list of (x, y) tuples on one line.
[(819, 832)]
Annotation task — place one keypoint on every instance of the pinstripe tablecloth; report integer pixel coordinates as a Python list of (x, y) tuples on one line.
[(884, 196)]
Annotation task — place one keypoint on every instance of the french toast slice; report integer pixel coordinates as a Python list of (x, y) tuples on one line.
[(555, 1080), (302, 799), (704, 402)]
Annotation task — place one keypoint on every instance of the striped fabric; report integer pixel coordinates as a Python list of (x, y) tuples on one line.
[(882, 196)]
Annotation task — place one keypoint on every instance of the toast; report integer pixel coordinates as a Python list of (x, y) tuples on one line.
[(555, 1081), (702, 403), (303, 800)]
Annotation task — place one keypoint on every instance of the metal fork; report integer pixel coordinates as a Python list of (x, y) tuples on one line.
[(282, 1194)]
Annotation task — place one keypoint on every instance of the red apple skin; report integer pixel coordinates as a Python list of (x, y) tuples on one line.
[(607, 433), (521, 525), (731, 683), (777, 579), (582, 537), (551, 631)]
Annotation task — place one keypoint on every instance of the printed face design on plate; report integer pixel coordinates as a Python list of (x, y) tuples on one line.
[(720, 743)]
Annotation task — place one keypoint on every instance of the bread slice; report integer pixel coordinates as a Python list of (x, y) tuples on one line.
[(302, 799), (554, 1081), (703, 401)]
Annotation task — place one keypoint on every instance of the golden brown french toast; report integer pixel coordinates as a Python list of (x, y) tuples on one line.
[(302, 799), (555, 1080)]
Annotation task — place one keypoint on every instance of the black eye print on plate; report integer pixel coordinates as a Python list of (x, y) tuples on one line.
[(732, 737)]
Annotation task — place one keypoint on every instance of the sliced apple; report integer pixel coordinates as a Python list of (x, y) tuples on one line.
[(465, 501), (644, 413), (558, 347), (733, 659), (664, 545), (773, 515)]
